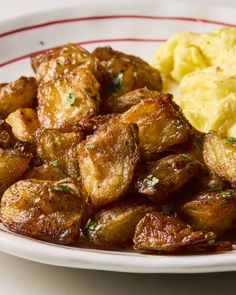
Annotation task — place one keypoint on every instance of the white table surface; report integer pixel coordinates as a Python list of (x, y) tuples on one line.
[(21, 277)]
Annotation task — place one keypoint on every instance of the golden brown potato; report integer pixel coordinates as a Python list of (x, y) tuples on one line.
[(120, 73), (211, 211), (44, 210), (24, 123), (56, 62), (220, 156), (46, 172), (12, 166), (64, 102), (107, 160), (159, 180), (7, 138), (55, 146), (160, 125), (159, 232), (21, 93), (116, 224)]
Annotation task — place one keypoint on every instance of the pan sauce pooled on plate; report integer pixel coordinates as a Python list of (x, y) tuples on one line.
[(93, 154)]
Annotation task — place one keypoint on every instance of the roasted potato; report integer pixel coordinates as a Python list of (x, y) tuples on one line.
[(160, 125), (24, 123), (124, 102), (44, 210), (168, 234), (120, 73), (107, 160), (159, 180), (64, 102), (46, 172), (7, 138), (56, 62), (56, 147), (12, 166), (21, 93), (220, 156), (116, 224), (211, 211)]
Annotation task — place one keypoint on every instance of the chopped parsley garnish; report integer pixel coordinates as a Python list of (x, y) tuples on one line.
[(211, 242), (115, 84), (55, 164), (90, 146), (226, 194), (88, 90), (230, 140), (70, 98), (89, 228), (61, 188), (215, 188), (153, 179)]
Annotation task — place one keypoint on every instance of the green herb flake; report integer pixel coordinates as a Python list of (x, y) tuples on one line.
[(230, 140), (211, 242), (153, 179), (70, 98), (89, 228), (61, 188), (215, 188), (226, 194), (55, 164), (90, 146), (88, 90), (115, 84)]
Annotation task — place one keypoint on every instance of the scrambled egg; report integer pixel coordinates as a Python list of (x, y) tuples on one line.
[(204, 65)]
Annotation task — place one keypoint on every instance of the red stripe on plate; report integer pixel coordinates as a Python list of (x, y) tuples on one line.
[(82, 43), (101, 17)]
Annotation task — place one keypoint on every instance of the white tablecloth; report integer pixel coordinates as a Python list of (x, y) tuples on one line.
[(21, 277)]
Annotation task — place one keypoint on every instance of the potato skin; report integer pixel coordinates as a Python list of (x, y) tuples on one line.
[(7, 138), (53, 145), (126, 101), (116, 224), (64, 102), (220, 157), (171, 173), (107, 160), (120, 73), (160, 125), (33, 208), (56, 62), (211, 211), (24, 123), (21, 93), (168, 234), (45, 172), (12, 166)]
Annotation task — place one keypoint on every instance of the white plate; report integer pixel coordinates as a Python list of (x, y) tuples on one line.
[(136, 28)]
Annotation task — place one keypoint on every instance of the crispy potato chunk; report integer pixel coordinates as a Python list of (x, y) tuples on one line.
[(21, 93), (57, 147), (126, 101), (42, 209), (211, 211), (64, 102), (159, 232), (12, 166), (46, 172), (116, 224), (107, 160), (120, 73), (159, 180), (7, 138), (160, 125), (24, 123), (54, 63), (220, 156)]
